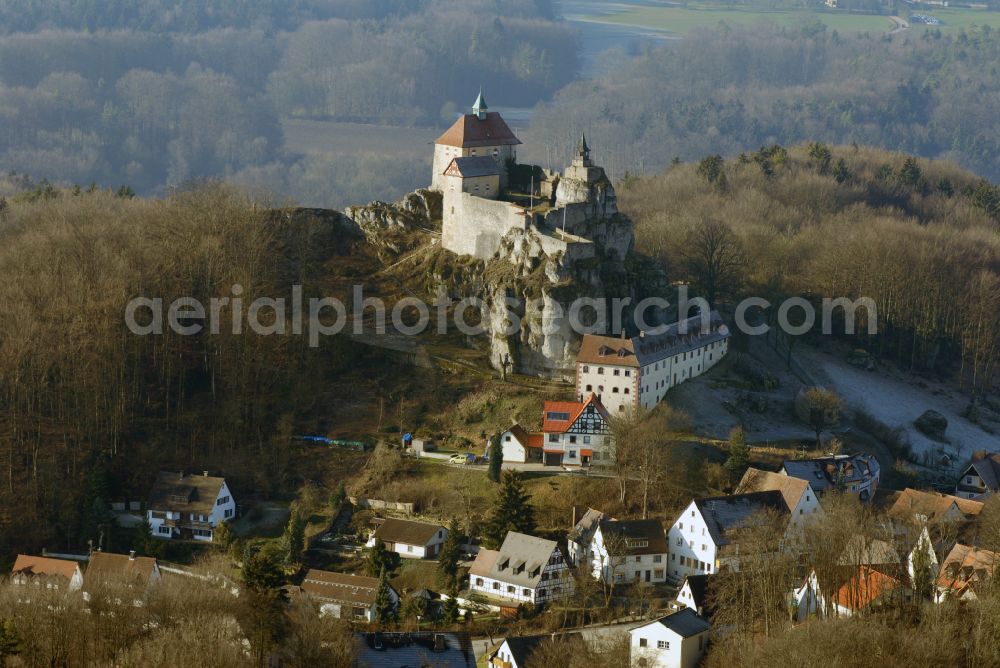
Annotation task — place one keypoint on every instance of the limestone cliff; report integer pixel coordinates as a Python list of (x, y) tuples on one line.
[(534, 273)]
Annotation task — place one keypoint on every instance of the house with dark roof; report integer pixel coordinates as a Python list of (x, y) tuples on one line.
[(525, 569), (189, 507), (120, 577), (516, 651), (981, 477), (857, 475), (413, 650), (409, 538), (678, 640), (628, 373), (694, 594), (576, 433), (620, 551), (344, 595), (706, 535), (52, 573)]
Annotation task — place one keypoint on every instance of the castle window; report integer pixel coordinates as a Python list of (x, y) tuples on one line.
[(627, 373), (586, 368), (617, 372), (590, 388), (600, 371)]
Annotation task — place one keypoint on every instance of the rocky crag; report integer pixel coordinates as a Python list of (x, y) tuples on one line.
[(527, 281)]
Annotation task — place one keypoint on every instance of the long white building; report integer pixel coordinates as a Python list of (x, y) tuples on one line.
[(626, 373)]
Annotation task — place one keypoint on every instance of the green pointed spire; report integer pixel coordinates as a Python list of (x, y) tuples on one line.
[(479, 108)]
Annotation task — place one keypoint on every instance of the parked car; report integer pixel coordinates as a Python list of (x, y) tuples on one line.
[(458, 459)]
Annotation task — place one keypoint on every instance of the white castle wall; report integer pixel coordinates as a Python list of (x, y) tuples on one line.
[(473, 225)]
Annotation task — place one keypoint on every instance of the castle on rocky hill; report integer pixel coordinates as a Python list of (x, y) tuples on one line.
[(488, 195)]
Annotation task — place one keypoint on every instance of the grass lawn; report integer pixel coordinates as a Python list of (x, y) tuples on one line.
[(684, 19), (955, 18)]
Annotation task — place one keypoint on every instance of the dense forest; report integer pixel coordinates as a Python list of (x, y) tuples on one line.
[(150, 94), (734, 89), (918, 237)]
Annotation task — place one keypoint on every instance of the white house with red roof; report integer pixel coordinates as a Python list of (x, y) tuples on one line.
[(576, 433), (521, 446)]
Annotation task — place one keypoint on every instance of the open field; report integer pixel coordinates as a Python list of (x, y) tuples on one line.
[(684, 19), (957, 18)]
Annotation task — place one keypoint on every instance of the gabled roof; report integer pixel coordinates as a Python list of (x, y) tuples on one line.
[(649, 347), (757, 480), (185, 493), (698, 584), (31, 566), (912, 503), (470, 132), (472, 166), (110, 567), (586, 526), (407, 532), (685, 623), (559, 416), (864, 588), (723, 514), (519, 561), (967, 567), (340, 587), (987, 467), (870, 551), (636, 532), (522, 647), (526, 438), (609, 350)]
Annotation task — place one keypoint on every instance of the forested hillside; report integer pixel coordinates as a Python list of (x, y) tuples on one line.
[(152, 93), (735, 89), (918, 237)]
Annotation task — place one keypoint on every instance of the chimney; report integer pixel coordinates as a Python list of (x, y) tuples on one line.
[(131, 555), (642, 334), (205, 473), (574, 514)]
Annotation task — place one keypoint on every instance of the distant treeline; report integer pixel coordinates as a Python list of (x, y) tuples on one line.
[(156, 93), (736, 89), (918, 237)]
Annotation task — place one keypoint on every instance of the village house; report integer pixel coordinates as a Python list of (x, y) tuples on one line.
[(515, 652), (409, 538), (628, 373), (981, 477), (619, 551), (853, 474), (913, 505), (118, 577), (53, 573), (521, 446), (189, 507), (694, 594), (344, 595), (798, 494), (869, 588), (419, 648), (576, 433), (525, 569), (965, 570), (676, 641), (705, 537)]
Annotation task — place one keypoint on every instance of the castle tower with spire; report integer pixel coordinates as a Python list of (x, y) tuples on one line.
[(483, 133)]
